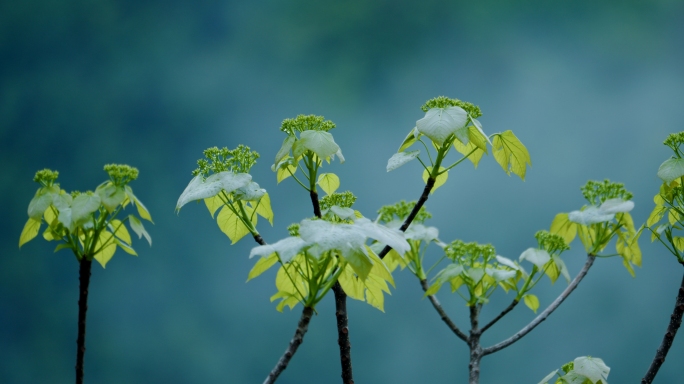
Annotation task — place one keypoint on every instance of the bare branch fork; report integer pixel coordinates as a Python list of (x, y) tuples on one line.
[(668, 338)]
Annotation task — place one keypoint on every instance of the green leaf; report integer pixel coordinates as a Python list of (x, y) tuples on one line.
[(478, 142), (142, 210), (285, 171), (548, 377), (441, 179), (410, 139), (30, 231), (592, 367), (127, 248), (40, 202), (285, 148), (329, 182), (119, 230), (110, 195), (563, 227), (61, 246), (401, 158), (231, 225), (213, 204), (532, 302), (138, 228), (105, 247), (671, 169), (351, 284), (263, 264), (359, 261), (319, 142), (440, 123), (82, 208), (199, 189), (263, 208), (510, 153)]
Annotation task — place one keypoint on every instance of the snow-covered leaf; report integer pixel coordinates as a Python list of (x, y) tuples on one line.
[(286, 248), (319, 142), (591, 215), (671, 169), (201, 189), (536, 256), (82, 208), (593, 368), (250, 192), (616, 206)]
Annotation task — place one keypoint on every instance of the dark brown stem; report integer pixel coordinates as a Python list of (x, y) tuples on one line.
[(443, 315), (476, 352), (314, 200), (296, 341), (340, 314), (542, 316), (502, 314), (675, 322), (259, 239), (419, 204), (84, 282), (343, 333)]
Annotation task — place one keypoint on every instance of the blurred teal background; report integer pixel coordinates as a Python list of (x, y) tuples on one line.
[(592, 88)]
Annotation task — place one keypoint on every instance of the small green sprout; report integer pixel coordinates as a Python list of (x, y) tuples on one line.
[(597, 192)]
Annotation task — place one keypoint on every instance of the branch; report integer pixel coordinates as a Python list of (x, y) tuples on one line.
[(340, 314), (502, 314), (661, 353), (542, 316), (84, 282), (442, 313), (296, 341), (343, 333), (419, 204)]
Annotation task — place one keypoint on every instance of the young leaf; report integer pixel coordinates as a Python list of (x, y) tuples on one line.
[(532, 302), (127, 248), (231, 225), (286, 249), (439, 123), (329, 182), (671, 169), (138, 228), (82, 208), (119, 230), (30, 231), (592, 367), (285, 148), (441, 179), (477, 142), (105, 247), (285, 171), (562, 226), (142, 210), (510, 153), (263, 208), (40, 203), (110, 195), (263, 264), (319, 142), (538, 257), (548, 377), (200, 189), (213, 204), (411, 138), (401, 158)]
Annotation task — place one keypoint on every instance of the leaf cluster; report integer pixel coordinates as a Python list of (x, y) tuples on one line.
[(86, 222), (583, 370)]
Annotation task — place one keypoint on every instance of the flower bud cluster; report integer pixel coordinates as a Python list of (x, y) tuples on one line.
[(45, 177), (121, 174), (238, 160), (445, 102), (597, 192), (344, 200), (401, 210), (306, 123), (551, 242), (467, 253), (674, 140), (293, 229)]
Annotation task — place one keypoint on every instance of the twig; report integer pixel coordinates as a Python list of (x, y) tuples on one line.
[(419, 204), (296, 341), (438, 307), (343, 333), (314, 201), (476, 351), (502, 314), (84, 282), (675, 322), (542, 316)]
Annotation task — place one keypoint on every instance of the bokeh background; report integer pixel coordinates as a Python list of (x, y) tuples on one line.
[(592, 88)]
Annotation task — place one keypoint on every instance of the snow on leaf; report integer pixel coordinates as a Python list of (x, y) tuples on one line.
[(439, 123), (510, 153), (401, 158), (536, 256), (111, 195), (343, 213), (40, 203), (616, 205), (82, 208), (250, 192), (591, 215)]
